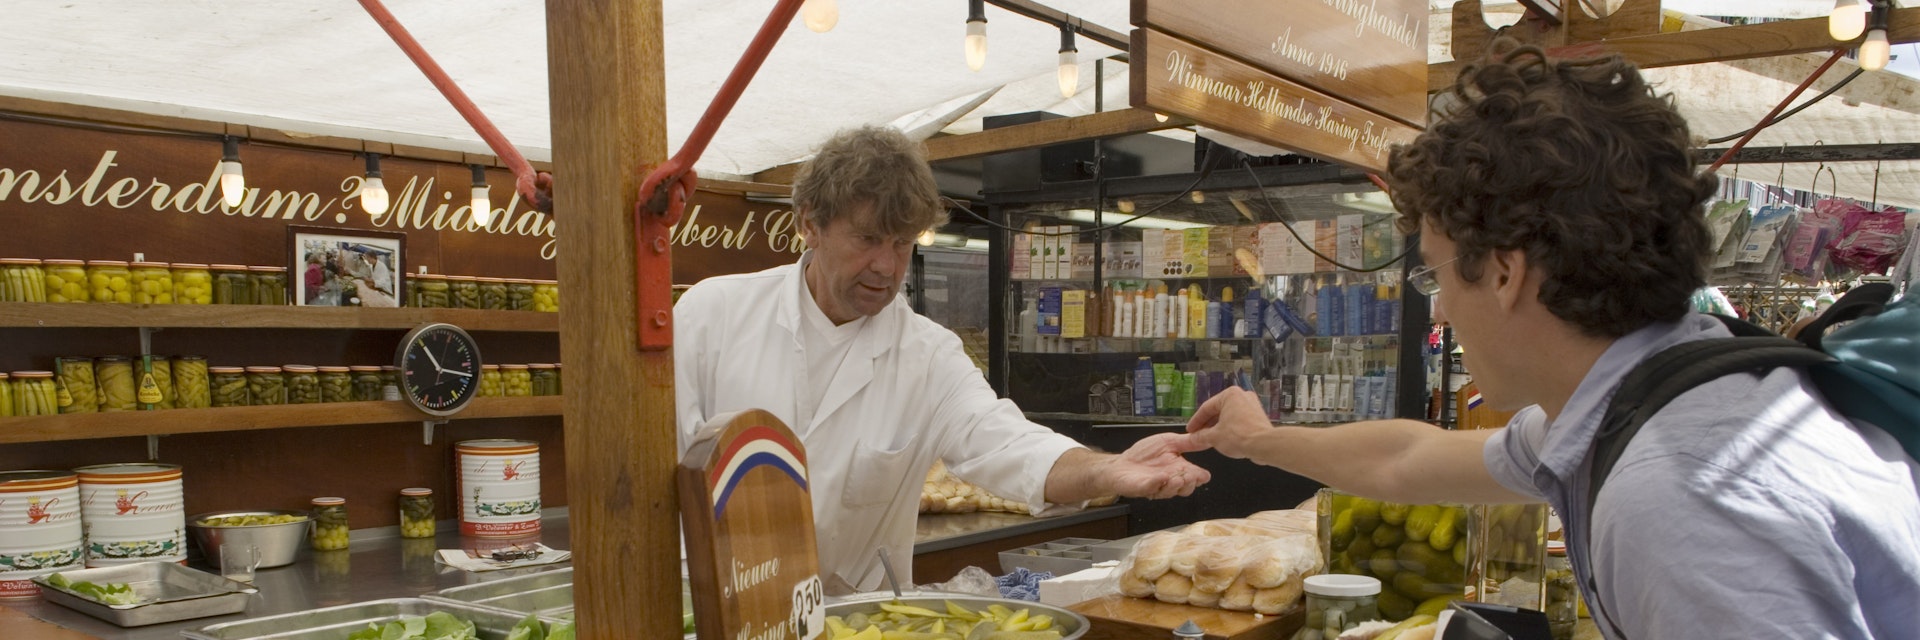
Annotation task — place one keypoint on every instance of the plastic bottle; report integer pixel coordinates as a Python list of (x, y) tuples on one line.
[(1029, 327), (1256, 308), (1196, 312), (1224, 323), (1143, 387)]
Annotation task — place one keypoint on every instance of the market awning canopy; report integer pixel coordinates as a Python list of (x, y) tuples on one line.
[(326, 68)]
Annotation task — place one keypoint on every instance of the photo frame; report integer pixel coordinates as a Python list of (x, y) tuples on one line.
[(337, 267)]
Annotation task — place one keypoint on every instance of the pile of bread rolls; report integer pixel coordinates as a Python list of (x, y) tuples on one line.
[(1257, 563), (946, 493)]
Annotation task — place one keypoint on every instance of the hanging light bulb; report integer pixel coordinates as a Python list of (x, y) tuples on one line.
[(373, 192), (820, 15), (976, 34), (1125, 205), (1160, 117), (1197, 196), (233, 184), (1874, 52), (1069, 63), (926, 238), (1848, 20), (482, 208)]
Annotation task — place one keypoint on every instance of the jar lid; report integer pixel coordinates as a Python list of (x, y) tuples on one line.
[(189, 265), (228, 267), (463, 278), (489, 367), (365, 368), (416, 491), (63, 263), (226, 369), (388, 367), (539, 365), (189, 357), (299, 368), (1556, 548), (150, 265), (1342, 585), (493, 280), (512, 367), (3, 376), (267, 269), (33, 374), (429, 276), (113, 359), (75, 358), (336, 369), (106, 263), (519, 281), (263, 369), (329, 502), (17, 261)]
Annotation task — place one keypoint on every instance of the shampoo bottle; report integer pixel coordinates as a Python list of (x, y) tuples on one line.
[(1028, 327)]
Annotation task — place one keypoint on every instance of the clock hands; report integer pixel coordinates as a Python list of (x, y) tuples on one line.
[(462, 374), (436, 361)]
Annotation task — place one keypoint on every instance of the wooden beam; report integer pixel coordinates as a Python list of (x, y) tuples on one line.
[(608, 102), (1711, 45), (1548, 10), (1106, 124), (782, 174), (746, 188), (1815, 153)]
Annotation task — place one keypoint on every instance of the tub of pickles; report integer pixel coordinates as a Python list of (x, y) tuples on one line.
[(1420, 553)]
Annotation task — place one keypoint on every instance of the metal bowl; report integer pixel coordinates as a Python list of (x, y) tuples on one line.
[(1071, 625), (278, 543)]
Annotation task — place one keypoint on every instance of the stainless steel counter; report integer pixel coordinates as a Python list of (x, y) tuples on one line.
[(939, 532)]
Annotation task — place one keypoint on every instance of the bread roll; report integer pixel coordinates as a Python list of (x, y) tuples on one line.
[(1152, 556), (1217, 564), (1264, 570), (1185, 558), (1212, 528), (1172, 588), (1278, 599), (1238, 597), (1133, 585), (1202, 598)]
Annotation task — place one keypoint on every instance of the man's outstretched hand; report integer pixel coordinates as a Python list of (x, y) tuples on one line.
[(1155, 468)]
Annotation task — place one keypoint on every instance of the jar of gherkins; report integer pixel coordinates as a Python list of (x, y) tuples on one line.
[(232, 284), (519, 294), (191, 389), (192, 283), (1563, 593), (109, 281), (114, 376), (269, 284), (366, 383), (33, 394), (465, 291), (545, 383), (546, 295), (155, 390), (265, 386), (22, 280), (389, 382), (152, 283), (229, 386), (76, 390), (329, 524), (66, 280), (493, 293), (516, 381), (303, 384), (431, 291), (559, 381), (416, 513), (6, 395), (336, 384), (490, 386)]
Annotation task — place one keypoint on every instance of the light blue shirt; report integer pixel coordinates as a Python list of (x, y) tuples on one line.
[(1747, 508)]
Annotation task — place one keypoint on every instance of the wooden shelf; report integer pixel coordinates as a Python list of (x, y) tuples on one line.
[(83, 426), (220, 316)]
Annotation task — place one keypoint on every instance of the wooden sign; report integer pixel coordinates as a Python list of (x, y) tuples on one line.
[(748, 516), (1170, 75), (1370, 52)]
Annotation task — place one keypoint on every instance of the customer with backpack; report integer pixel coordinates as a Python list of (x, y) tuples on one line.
[(1560, 215)]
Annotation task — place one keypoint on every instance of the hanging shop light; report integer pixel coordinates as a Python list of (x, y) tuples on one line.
[(373, 191), (233, 184), (1848, 20), (1874, 51), (820, 15), (1159, 117), (1069, 63), (976, 34), (482, 207), (926, 238)]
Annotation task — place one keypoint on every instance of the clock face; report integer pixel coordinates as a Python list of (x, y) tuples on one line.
[(439, 368)]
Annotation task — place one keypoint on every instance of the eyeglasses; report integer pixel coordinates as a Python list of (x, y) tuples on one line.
[(1423, 280)]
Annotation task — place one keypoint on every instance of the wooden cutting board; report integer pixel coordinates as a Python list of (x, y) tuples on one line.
[(1118, 617)]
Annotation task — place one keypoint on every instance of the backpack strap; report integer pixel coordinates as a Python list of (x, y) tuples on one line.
[(1864, 300)]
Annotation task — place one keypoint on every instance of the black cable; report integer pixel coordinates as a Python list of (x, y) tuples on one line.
[(1268, 199), (1206, 169), (1822, 95)]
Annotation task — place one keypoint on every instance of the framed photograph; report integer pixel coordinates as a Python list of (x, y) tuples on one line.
[(329, 267)]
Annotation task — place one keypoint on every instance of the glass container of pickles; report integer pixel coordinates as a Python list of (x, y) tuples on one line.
[(1419, 553), (545, 381), (191, 388), (431, 291), (77, 391), (192, 283), (490, 385), (519, 294), (22, 280), (464, 291), (155, 387), (269, 284), (389, 382), (229, 386), (336, 384), (265, 386), (303, 384), (114, 377), (34, 394), (109, 281), (493, 293), (416, 513), (66, 280), (366, 383), (546, 295), (329, 524), (152, 283), (516, 381), (232, 284), (6, 395)]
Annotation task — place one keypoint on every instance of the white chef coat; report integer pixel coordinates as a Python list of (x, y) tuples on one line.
[(905, 395)]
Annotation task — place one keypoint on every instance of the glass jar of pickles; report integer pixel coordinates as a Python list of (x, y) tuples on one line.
[(74, 385), (1563, 593), (336, 384), (515, 381), (109, 281), (152, 283), (490, 386), (114, 376), (269, 284), (465, 292), (366, 383), (431, 291), (232, 284), (559, 381), (155, 387), (389, 382), (190, 385), (303, 384), (329, 524), (545, 382), (229, 386), (416, 513), (546, 295), (6, 395), (1338, 602), (265, 386), (519, 294), (192, 283), (33, 394), (22, 280), (66, 280), (493, 293)]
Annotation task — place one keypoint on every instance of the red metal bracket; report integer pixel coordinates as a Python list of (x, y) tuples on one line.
[(666, 187), (535, 188)]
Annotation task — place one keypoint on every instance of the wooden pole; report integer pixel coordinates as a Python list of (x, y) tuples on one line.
[(608, 103)]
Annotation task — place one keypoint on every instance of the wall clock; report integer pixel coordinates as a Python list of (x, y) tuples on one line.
[(439, 369)]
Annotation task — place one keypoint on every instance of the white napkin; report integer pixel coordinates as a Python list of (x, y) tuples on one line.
[(472, 561)]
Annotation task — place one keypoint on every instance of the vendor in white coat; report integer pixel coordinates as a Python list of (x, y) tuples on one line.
[(876, 392)]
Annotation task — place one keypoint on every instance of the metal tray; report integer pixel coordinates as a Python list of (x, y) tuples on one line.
[(547, 594), (168, 592), (334, 623)]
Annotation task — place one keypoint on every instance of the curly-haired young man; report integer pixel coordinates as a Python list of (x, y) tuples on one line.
[(1559, 210)]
